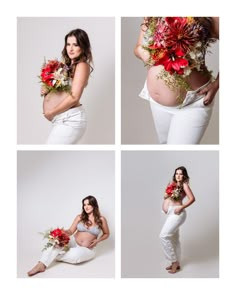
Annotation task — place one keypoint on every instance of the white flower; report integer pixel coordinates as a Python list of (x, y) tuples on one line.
[(198, 44), (187, 71), (192, 54)]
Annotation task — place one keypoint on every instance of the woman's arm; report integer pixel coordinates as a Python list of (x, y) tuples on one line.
[(138, 50), (73, 227), (105, 233), (211, 89), (189, 195), (80, 80)]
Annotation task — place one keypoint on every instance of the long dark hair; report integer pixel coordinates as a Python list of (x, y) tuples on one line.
[(185, 174), (96, 213), (83, 42)]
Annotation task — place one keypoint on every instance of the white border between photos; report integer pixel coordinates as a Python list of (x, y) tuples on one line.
[(9, 148)]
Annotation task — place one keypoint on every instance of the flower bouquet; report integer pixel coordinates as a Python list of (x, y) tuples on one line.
[(173, 191), (57, 238), (179, 45), (54, 76)]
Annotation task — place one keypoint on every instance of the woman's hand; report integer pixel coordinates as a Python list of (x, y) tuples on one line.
[(178, 210), (43, 91), (210, 91), (49, 115), (93, 244), (66, 231)]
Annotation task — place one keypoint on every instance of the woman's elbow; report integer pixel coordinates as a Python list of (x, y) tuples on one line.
[(136, 51), (74, 99)]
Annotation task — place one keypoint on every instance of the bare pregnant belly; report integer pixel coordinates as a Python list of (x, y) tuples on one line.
[(163, 95), (53, 99), (167, 202), (84, 239), (165, 205)]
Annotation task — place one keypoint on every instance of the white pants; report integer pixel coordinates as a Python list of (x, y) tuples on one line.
[(68, 127), (76, 254), (183, 124), (170, 234)]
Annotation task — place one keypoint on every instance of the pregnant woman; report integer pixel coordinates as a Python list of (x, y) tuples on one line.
[(174, 207), (179, 86), (64, 109), (88, 229)]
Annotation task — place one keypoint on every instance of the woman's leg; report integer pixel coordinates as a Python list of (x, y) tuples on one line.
[(170, 236), (77, 255), (162, 121), (68, 127), (63, 134), (47, 257), (189, 124)]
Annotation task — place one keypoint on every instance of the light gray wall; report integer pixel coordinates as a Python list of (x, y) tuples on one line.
[(39, 37), (137, 123), (145, 175), (50, 188)]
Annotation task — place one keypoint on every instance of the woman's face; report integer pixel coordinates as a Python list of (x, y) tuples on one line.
[(87, 207), (72, 48), (179, 175)]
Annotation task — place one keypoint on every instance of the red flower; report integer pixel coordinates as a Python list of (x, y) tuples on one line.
[(56, 232), (170, 188), (172, 20), (180, 34), (57, 238), (54, 76), (174, 62), (47, 73)]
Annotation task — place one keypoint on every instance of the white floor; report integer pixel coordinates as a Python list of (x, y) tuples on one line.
[(102, 266), (199, 261)]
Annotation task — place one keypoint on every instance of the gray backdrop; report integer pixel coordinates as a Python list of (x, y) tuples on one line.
[(137, 123), (144, 179), (51, 186), (39, 37)]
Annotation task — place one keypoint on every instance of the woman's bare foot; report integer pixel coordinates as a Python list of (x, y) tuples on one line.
[(170, 266), (174, 267), (40, 267)]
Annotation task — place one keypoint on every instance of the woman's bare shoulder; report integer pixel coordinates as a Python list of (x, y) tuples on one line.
[(83, 65), (78, 217), (186, 185), (82, 69), (102, 218)]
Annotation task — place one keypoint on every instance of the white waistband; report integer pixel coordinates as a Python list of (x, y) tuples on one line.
[(69, 112)]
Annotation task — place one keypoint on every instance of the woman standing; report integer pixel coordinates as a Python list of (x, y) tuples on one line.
[(64, 109), (179, 86), (174, 207)]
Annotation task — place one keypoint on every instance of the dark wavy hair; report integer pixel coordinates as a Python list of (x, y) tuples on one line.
[(97, 216), (185, 174), (206, 23), (86, 54)]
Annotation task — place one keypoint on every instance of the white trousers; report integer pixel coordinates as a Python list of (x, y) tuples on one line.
[(76, 254), (170, 234), (185, 124), (68, 127)]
